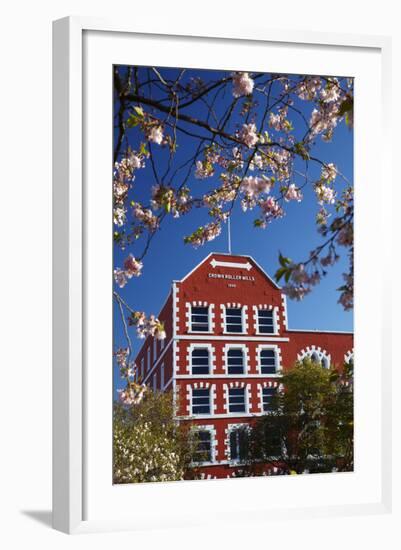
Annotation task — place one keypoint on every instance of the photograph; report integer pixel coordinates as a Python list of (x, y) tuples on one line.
[(232, 278)]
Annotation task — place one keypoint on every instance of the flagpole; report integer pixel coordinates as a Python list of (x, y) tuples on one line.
[(229, 234)]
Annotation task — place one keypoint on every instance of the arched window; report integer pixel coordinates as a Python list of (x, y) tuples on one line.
[(200, 360), (317, 355), (235, 361)]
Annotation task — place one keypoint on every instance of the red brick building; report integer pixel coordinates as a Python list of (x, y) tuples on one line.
[(227, 344)]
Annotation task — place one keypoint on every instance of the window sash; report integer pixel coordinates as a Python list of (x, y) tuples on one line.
[(200, 361), (235, 361), (203, 450), (234, 320), (267, 397), (239, 444), (201, 401), (268, 361), (266, 321), (236, 400), (200, 319)]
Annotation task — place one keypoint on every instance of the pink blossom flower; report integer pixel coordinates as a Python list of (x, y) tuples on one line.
[(145, 215), (329, 172), (132, 267), (121, 356), (293, 193), (203, 169), (331, 92), (132, 394), (254, 185), (119, 216), (325, 194), (296, 292), (345, 236), (271, 208), (120, 277), (308, 88), (155, 134), (242, 84)]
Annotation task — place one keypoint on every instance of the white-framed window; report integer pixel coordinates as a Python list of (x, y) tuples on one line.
[(200, 319), (202, 446), (239, 443), (235, 361), (200, 360), (162, 377), (268, 361), (234, 322), (237, 400), (267, 397), (266, 321), (201, 401)]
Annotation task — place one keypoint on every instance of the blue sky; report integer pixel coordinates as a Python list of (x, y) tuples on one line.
[(294, 235)]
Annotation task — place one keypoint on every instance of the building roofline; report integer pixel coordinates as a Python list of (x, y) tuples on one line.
[(227, 254)]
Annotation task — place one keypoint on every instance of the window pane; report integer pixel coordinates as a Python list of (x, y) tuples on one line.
[(236, 399), (267, 397), (233, 445), (234, 311), (239, 444), (200, 310), (233, 319), (200, 361), (200, 319), (201, 401), (203, 446), (235, 361), (266, 321), (268, 361), (235, 352)]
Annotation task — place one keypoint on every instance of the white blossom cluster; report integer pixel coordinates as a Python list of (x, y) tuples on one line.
[(141, 456)]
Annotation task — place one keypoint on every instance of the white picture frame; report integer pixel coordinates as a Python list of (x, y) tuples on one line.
[(70, 342)]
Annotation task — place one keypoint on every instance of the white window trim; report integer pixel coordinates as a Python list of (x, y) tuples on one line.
[(244, 318), (269, 384), (248, 398), (212, 398), (276, 324), (210, 311), (213, 444), (277, 352), (212, 359), (230, 428), (245, 352)]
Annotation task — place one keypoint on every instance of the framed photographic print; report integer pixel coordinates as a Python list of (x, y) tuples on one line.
[(219, 337)]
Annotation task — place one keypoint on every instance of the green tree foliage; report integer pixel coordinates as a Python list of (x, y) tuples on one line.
[(310, 424), (148, 444)]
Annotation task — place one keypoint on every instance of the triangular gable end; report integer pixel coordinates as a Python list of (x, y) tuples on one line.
[(231, 258)]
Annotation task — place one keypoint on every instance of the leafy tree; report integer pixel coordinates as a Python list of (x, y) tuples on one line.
[(149, 445), (310, 424)]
